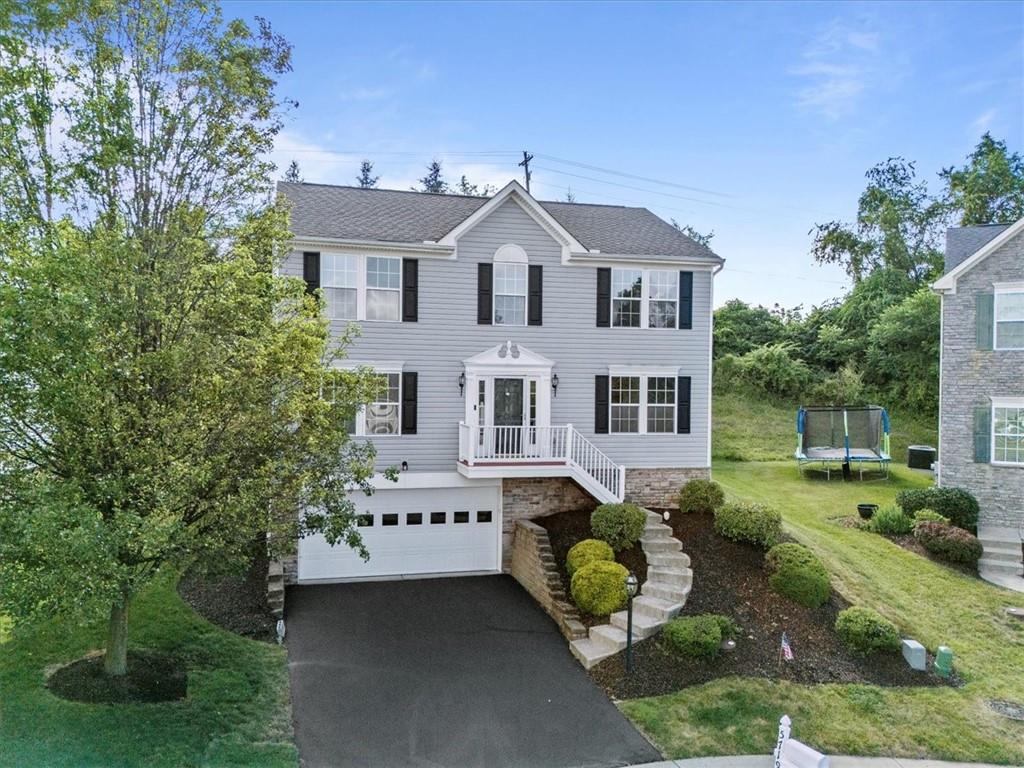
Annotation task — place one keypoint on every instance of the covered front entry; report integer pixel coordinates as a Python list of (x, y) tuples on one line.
[(414, 531)]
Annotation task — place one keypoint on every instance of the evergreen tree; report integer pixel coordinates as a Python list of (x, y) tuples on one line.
[(434, 182), (366, 179), (292, 175), (569, 196), (693, 234), (472, 190)]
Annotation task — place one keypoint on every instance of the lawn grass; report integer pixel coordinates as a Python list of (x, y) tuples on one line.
[(928, 601), (760, 429), (236, 713)]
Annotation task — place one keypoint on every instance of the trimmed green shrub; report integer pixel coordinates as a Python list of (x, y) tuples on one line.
[(698, 636), (955, 504), (797, 574), (929, 516), (587, 551), (701, 496), (948, 542), (621, 525), (890, 521), (599, 588), (752, 523), (866, 631)]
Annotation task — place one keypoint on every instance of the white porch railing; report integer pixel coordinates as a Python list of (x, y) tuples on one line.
[(523, 446)]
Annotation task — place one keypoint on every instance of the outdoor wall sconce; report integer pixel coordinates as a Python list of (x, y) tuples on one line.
[(554, 385), (462, 382), (405, 466)]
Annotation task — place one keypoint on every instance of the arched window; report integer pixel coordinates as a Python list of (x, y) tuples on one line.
[(510, 285)]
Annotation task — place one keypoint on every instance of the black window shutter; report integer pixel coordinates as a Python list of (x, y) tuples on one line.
[(984, 307), (311, 270), (601, 405), (409, 402), (535, 292), (410, 290), (982, 434), (683, 405), (604, 297), (686, 300), (484, 302)]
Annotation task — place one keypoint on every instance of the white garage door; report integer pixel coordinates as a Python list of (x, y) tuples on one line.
[(414, 531)]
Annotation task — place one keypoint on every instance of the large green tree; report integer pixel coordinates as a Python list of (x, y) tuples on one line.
[(989, 188), (161, 387)]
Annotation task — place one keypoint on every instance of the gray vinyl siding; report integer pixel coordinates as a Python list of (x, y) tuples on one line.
[(970, 378), (447, 333)]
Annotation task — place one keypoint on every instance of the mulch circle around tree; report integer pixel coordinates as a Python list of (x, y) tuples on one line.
[(730, 579), (566, 529), (152, 677), (235, 602)]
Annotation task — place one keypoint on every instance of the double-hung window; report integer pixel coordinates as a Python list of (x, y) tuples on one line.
[(643, 404), (1008, 432), (359, 287), (1009, 316), (381, 416), (510, 282), (645, 298)]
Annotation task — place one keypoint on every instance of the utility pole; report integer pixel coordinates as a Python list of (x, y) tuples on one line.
[(527, 157)]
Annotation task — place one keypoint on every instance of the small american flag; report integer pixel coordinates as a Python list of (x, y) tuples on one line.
[(787, 652)]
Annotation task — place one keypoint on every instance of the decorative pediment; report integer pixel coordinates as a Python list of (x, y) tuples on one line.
[(508, 356)]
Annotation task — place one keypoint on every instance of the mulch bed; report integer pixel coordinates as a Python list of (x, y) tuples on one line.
[(730, 579), (235, 602), (152, 677), (566, 529)]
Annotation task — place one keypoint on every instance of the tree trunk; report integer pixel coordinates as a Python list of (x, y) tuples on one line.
[(115, 662)]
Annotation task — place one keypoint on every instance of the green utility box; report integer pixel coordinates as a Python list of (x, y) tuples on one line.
[(943, 661)]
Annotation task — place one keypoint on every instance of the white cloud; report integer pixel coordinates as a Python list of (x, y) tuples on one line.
[(837, 67), (982, 122), (366, 94)]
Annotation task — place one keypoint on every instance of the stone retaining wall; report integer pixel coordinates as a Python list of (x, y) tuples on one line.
[(526, 498), (660, 487), (533, 565)]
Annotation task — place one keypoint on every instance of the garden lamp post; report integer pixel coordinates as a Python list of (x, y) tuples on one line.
[(631, 589)]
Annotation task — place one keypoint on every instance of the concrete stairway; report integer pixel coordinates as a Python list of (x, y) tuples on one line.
[(661, 597), (1001, 561)]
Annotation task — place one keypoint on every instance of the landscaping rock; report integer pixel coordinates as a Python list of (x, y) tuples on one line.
[(915, 654)]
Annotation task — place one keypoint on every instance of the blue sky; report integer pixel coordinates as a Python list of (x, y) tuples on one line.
[(773, 110)]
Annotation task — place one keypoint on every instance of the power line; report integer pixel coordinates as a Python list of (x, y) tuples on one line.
[(638, 189), (625, 175)]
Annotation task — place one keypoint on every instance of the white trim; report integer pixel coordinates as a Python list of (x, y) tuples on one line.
[(425, 250), (390, 366), (1005, 403), (510, 252), (416, 480), (1004, 289), (648, 261), (948, 281), (1016, 287), (711, 360), (537, 212), (645, 299), (525, 295), (361, 287), (643, 406), (643, 370), (942, 345)]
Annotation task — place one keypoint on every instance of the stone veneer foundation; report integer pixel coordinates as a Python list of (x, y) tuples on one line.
[(525, 498), (660, 487)]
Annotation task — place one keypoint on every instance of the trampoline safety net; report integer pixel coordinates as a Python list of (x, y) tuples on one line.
[(842, 434)]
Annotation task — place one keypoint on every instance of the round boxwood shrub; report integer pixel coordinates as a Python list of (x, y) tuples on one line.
[(753, 523), (866, 631), (599, 588), (587, 551), (955, 504), (891, 521), (698, 636), (701, 496), (929, 516), (621, 525), (948, 542), (797, 574)]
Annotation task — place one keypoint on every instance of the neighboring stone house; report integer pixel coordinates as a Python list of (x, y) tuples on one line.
[(981, 409), (539, 357)]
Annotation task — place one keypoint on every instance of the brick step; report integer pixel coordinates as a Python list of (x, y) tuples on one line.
[(675, 576), (612, 638), (669, 559), (643, 626), (655, 607), (656, 531), (588, 652), (660, 544), (674, 593)]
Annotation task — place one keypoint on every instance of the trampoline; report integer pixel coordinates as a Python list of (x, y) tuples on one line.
[(847, 436)]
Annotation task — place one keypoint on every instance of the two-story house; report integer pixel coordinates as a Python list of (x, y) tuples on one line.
[(539, 357), (981, 405)]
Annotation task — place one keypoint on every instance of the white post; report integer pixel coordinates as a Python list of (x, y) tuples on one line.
[(567, 451), (785, 725)]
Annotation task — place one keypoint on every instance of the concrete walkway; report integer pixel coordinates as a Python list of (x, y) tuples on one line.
[(765, 761)]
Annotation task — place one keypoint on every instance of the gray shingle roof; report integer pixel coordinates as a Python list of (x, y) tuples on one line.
[(964, 242), (352, 213)]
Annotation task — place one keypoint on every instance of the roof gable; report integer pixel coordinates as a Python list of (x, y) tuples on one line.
[(947, 283)]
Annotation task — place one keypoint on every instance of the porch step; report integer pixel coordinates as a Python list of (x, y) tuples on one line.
[(669, 559), (643, 626), (1001, 556), (660, 544), (613, 638), (656, 531), (655, 607), (654, 518), (589, 652), (673, 593), (675, 576), (999, 568)]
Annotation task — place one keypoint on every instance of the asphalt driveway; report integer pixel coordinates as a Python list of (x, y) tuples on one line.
[(453, 673)]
